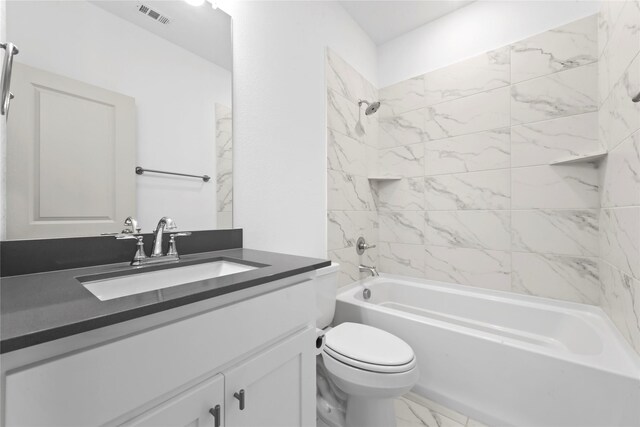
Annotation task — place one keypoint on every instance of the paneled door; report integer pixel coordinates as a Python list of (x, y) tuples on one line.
[(71, 155)]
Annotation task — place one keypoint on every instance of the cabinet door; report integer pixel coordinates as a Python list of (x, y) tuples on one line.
[(278, 386), (192, 408)]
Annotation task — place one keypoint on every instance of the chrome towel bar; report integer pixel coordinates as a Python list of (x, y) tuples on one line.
[(140, 171)]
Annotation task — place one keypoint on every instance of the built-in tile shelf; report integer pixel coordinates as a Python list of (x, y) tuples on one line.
[(384, 178), (594, 157)]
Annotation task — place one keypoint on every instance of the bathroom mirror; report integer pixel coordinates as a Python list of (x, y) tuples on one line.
[(106, 92)]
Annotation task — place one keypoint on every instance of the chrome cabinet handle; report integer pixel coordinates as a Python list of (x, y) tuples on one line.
[(215, 412), (7, 66), (240, 396)]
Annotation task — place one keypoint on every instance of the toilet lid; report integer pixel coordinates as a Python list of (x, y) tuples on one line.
[(369, 348)]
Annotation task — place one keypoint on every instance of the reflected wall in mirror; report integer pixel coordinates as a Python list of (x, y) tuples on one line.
[(102, 87)]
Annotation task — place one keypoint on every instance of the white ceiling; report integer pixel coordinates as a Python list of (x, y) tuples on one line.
[(207, 32), (201, 30), (386, 20)]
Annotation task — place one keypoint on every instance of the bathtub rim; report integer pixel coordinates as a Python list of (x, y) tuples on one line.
[(631, 369)]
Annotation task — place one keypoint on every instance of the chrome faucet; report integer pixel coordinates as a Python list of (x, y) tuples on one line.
[(140, 258), (165, 223), (372, 270)]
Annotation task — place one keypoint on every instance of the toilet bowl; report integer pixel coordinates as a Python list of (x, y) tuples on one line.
[(369, 366), (372, 367)]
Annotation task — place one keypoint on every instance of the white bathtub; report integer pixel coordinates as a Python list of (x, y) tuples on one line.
[(503, 358)]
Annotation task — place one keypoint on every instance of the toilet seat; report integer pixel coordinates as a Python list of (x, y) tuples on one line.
[(368, 348), (365, 383)]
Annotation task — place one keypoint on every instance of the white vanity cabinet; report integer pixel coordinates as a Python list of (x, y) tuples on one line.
[(270, 389), (202, 405), (175, 373), (274, 385)]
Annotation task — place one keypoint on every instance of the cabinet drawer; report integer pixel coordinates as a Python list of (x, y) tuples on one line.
[(96, 386)]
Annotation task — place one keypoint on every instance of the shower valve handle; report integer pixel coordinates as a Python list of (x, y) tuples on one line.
[(362, 245)]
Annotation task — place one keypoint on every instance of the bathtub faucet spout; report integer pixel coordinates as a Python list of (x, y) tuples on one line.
[(372, 270)]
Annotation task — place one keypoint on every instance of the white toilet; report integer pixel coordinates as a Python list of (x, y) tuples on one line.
[(370, 366)]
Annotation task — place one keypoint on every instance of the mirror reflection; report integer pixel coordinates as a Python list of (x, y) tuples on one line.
[(104, 87)]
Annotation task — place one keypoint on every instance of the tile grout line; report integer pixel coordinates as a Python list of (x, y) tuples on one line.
[(509, 85)]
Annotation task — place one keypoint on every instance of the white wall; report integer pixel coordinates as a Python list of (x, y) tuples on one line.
[(472, 30), (280, 102), (89, 44), (279, 111)]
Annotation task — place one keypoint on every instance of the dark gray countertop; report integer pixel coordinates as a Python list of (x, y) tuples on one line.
[(41, 307)]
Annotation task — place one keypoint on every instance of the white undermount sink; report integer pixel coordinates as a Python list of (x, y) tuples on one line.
[(116, 287)]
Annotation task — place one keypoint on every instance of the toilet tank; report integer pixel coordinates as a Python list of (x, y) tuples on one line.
[(326, 284)]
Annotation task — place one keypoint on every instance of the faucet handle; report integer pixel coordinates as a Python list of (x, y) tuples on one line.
[(133, 224), (180, 234), (362, 245), (127, 235), (140, 255), (173, 249)]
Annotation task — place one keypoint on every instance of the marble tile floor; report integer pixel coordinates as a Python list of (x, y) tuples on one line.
[(416, 411)]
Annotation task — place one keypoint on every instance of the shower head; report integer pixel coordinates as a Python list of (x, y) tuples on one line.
[(371, 107)]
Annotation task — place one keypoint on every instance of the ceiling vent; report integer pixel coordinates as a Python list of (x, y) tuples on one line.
[(153, 14)]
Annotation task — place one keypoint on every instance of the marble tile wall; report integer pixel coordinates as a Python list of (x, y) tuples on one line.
[(619, 131), (478, 202), (224, 166), (352, 144)]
